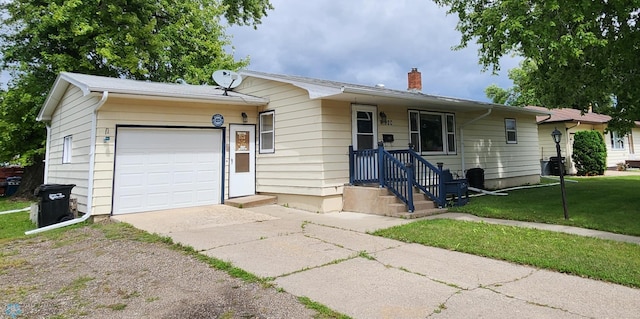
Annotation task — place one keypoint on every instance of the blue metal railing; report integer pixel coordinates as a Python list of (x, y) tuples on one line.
[(427, 176), (399, 171)]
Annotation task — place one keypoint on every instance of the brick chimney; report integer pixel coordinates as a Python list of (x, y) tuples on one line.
[(415, 81)]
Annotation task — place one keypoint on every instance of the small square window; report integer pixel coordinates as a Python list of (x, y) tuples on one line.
[(66, 149), (267, 132), (511, 131)]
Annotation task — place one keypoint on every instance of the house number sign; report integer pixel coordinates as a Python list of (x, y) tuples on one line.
[(217, 120)]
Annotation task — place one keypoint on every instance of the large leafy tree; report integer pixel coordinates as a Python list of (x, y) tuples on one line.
[(138, 39), (523, 91), (586, 52)]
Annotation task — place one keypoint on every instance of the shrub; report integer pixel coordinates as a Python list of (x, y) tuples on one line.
[(589, 153)]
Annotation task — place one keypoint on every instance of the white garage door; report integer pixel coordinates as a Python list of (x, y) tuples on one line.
[(164, 168)]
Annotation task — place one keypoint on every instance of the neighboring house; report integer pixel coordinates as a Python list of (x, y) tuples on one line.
[(133, 146), (569, 121)]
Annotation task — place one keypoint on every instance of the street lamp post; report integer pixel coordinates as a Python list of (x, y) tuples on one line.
[(557, 135)]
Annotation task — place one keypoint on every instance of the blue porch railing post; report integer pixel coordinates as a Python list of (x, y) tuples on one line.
[(410, 183), (442, 192), (351, 165), (381, 165)]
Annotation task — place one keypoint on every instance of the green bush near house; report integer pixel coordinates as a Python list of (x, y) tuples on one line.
[(589, 153)]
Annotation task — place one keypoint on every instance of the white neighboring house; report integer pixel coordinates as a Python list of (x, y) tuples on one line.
[(133, 146)]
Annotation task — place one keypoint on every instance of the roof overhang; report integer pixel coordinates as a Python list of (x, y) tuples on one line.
[(141, 90)]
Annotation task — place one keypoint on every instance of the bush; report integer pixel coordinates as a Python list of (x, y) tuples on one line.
[(589, 153)]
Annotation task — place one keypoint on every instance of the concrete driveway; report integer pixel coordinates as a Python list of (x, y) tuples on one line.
[(330, 259)]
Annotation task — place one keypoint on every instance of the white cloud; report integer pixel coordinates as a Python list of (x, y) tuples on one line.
[(367, 42)]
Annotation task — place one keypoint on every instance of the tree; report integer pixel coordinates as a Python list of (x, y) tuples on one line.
[(585, 51), (589, 153), (137, 39), (522, 93)]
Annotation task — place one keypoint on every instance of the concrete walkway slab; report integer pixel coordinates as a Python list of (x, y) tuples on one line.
[(363, 288), (459, 269), (277, 256), (345, 220), (484, 303), (352, 240), (214, 237), (589, 298), (180, 219)]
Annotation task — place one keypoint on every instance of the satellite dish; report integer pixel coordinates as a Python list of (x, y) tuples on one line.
[(227, 79)]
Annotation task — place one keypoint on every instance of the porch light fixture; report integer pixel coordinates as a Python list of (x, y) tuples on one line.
[(244, 117), (557, 136), (383, 118)]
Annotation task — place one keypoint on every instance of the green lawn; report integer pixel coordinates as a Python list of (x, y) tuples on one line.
[(604, 203), (11, 204), (15, 224)]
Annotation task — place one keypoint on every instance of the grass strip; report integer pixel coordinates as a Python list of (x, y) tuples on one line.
[(603, 203), (594, 258)]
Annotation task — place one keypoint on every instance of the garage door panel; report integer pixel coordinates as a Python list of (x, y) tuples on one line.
[(166, 168)]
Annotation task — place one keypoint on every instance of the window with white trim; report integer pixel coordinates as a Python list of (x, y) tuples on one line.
[(267, 132), (617, 141), (432, 132), (66, 149), (511, 131)]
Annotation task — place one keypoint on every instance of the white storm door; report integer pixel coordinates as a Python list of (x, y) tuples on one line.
[(165, 168), (364, 127), (242, 160)]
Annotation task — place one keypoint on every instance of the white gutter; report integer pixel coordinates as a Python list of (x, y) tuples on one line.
[(92, 160), (462, 135)]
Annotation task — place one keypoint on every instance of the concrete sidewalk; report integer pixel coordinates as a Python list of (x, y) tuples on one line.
[(330, 259)]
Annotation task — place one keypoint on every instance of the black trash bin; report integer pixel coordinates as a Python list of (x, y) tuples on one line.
[(12, 185), (554, 166), (475, 177), (53, 203)]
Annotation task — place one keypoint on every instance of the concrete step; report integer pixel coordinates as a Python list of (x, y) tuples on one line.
[(251, 201), (424, 204)]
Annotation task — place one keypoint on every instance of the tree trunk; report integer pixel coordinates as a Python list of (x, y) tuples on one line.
[(32, 178)]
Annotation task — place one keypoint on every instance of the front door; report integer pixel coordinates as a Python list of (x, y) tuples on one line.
[(242, 156), (364, 126)]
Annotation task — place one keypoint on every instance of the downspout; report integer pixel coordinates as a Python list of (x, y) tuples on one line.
[(92, 160), (46, 153), (462, 135)]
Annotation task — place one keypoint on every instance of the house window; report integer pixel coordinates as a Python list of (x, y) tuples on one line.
[(511, 131), (617, 141), (267, 135), (66, 149), (432, 133)]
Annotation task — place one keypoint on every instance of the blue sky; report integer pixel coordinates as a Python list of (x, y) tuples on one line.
[(368, 42)]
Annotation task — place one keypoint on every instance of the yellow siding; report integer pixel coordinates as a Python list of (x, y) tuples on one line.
[(297, 165), (312, 139), (120, 111), (72, 117)]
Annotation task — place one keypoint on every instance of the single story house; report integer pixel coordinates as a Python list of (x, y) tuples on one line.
[(569, 121), (133, 146)]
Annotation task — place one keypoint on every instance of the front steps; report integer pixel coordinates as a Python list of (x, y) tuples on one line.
[(251, 201), (379, 201)]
